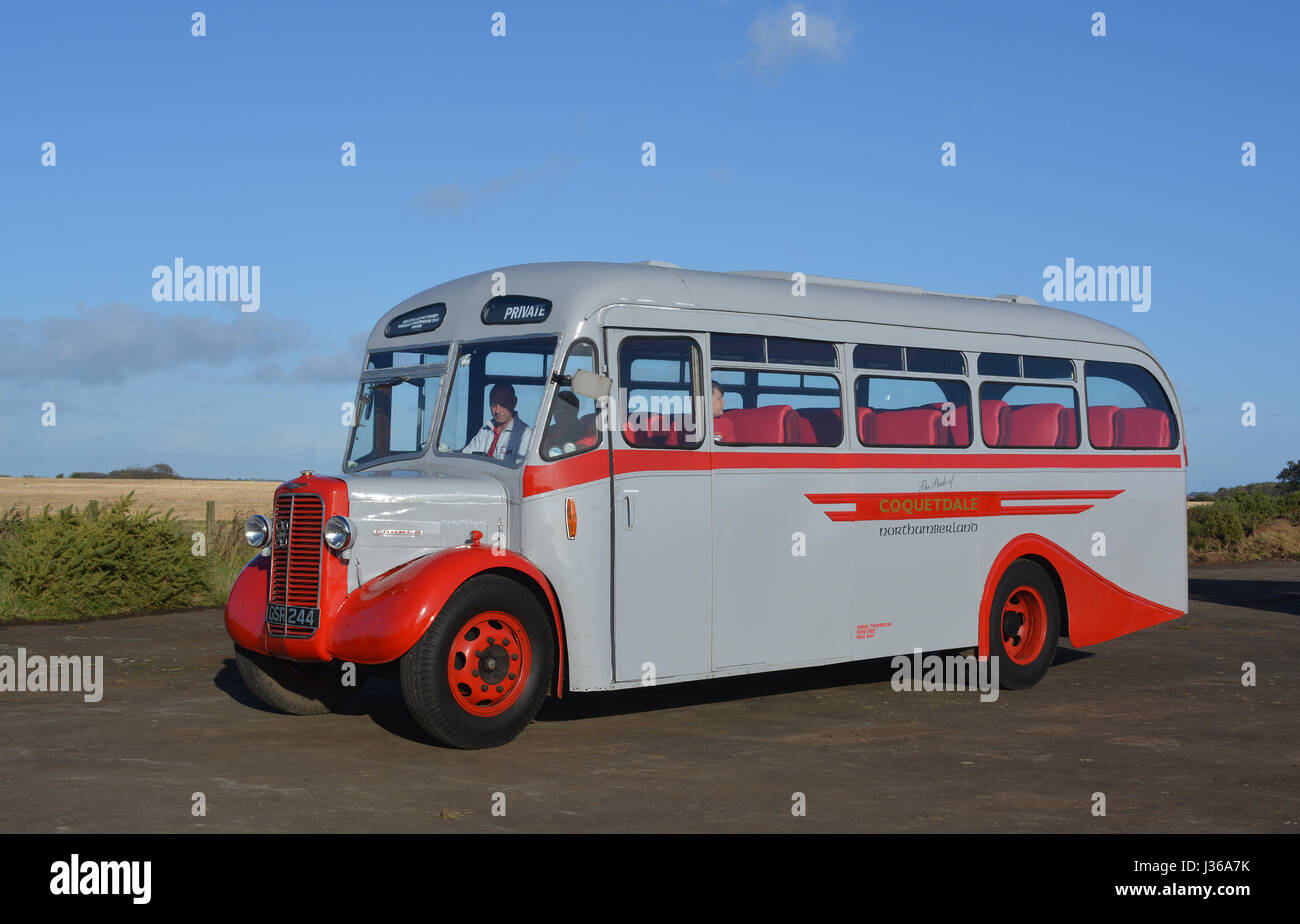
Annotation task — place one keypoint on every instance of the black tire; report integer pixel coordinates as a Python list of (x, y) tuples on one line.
[(1039, 627), (439, 705), (296, 687)]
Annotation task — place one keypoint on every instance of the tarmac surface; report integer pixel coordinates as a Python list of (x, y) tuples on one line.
[(1159, 722)]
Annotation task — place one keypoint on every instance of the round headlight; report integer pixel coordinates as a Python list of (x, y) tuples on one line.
[(338, 533), (257, 531)]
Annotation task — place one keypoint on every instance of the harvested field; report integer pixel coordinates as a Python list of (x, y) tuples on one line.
[(189, 496)]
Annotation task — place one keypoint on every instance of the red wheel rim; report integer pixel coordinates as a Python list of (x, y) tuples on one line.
[(489, 663), (1024, 625)]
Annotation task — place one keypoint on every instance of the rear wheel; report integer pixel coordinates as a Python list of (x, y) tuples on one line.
[(1024, 625), (296, 687), (480, 672)]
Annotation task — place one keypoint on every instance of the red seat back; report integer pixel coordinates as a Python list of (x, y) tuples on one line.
[(958, 432), (1101, 425), (1142, 428), (917, 426), (1032, 425), (1068, 436), (759, 424), (992, 413), (863, 414), (798, 431), (825, 422), (658, 430)]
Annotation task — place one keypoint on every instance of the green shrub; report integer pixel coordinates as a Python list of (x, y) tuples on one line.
[(10, 522), (1253, 508), (1213, 526), (69, 565)]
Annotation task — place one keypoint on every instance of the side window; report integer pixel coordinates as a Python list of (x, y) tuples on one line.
[(659, 377), (1127, 408), (873, 356), (1048, 367), (912, 412), (1018, 416), (754, 407), (1012, 366), (942, 362), (572, 427)]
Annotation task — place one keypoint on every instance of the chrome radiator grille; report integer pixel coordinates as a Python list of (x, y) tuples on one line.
[(296, 553)]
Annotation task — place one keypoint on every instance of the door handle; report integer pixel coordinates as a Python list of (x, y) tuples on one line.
[(629, 511)]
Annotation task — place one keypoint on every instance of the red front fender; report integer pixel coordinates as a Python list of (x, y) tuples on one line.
[(246, 605), (383, 618)]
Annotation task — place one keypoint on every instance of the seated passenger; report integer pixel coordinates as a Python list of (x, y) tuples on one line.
[(562, 435), (505, 435)]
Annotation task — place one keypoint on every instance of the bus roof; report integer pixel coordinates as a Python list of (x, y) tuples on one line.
[(578, 289)]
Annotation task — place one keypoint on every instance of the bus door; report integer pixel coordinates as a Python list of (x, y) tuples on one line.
[(661, 499)]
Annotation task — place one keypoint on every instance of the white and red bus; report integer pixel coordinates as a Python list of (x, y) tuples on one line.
[(583, 476)]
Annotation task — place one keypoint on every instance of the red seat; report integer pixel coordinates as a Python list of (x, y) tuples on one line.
[(658, 430), (1068, 435), (825, 422), (764, 425), (798, 431), (992, 413), (1101, 425), (1142, 428), (918, 426), (958, 433), (1032, 425), (863, 414)]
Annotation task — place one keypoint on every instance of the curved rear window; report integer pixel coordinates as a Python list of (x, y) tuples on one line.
[(1127, 408)]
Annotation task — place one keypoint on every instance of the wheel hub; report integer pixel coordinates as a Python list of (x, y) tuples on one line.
[(1024, 624), (489, 663), (493, 664)]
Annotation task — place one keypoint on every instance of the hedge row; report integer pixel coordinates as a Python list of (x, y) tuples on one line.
[(1227, 522), (79, 563)]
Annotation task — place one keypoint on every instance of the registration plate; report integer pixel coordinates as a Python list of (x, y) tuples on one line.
[(292, 617)]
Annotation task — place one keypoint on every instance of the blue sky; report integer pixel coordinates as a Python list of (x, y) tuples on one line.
[(819, 153)]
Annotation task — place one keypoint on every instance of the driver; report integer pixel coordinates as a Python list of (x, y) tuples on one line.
[(505, 435)]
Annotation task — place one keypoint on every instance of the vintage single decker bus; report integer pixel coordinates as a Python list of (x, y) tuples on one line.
[(584, 476)]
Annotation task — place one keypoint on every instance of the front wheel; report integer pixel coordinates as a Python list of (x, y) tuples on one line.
[(295, 687), (480, 672), (1024, 625)]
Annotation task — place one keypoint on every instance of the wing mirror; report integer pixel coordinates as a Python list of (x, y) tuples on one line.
[(591, 384)]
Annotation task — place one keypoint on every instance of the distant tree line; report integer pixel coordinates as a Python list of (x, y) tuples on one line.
[(1288, 480), (161, 470)]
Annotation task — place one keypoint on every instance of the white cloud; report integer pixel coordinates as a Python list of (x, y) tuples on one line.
[(773, 48), (455, 197), (113, 343)]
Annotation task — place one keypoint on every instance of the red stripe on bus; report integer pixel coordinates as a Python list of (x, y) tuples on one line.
[(951, 504), (591, 466)]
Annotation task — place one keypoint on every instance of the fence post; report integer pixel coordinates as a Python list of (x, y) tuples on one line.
[(212, 520), (92, 510)]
